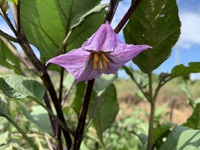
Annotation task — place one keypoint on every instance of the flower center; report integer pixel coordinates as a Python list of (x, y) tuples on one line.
[(100, 61)]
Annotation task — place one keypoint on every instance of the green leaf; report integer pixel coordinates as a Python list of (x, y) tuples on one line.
[(46, 23), (181, 70), (69, 80), (78, 99), (7, 59), (103, 82), (4, 107), (105, 110), (20, 87), (182, 138), (194, 120), (41, 118), (159, 133), (157, 24), (4, 138)]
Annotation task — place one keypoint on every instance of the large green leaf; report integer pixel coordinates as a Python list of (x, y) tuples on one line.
[(47, 22), (21, 87), (156, 23), (106, 109), (7, 59), (181, 70), (194, 120), (182, 138)]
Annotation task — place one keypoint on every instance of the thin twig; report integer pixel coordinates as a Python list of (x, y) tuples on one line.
[(16, 54), (48, 141), (53, 123), (7, 19), (7, 36), (65, 96)]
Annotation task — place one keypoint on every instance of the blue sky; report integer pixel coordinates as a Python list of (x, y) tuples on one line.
[(187, 48)]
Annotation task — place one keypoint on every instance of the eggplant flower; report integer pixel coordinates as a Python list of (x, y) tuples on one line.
[(103, 52)]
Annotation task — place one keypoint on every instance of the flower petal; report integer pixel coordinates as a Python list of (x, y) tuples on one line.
[(88, 74), (122, 55), (75, 62), (104, 39)]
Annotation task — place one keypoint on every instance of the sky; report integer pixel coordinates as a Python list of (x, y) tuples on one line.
[(186, 50)]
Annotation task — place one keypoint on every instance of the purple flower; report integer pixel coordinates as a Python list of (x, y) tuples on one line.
[(101, 53)]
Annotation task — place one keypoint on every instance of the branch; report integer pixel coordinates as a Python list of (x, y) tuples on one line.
[(111, 10), (127, 16), (7, 36), (81, 123)]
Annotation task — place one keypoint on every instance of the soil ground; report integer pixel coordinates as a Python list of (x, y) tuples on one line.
[(177, 111)]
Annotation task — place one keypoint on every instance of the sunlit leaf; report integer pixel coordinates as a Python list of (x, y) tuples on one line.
[(157, 24), (21, 87), (182, 138)]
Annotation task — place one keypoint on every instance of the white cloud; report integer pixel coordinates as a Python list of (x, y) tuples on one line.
[(190, 30)]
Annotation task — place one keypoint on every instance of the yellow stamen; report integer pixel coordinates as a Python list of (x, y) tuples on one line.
[(96, 57), (104, 58), (99, 66), (100, 62), (105, 65), (95, 65)]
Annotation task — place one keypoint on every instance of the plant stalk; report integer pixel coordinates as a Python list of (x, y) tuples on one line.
[(152, 114), (81, 123)]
